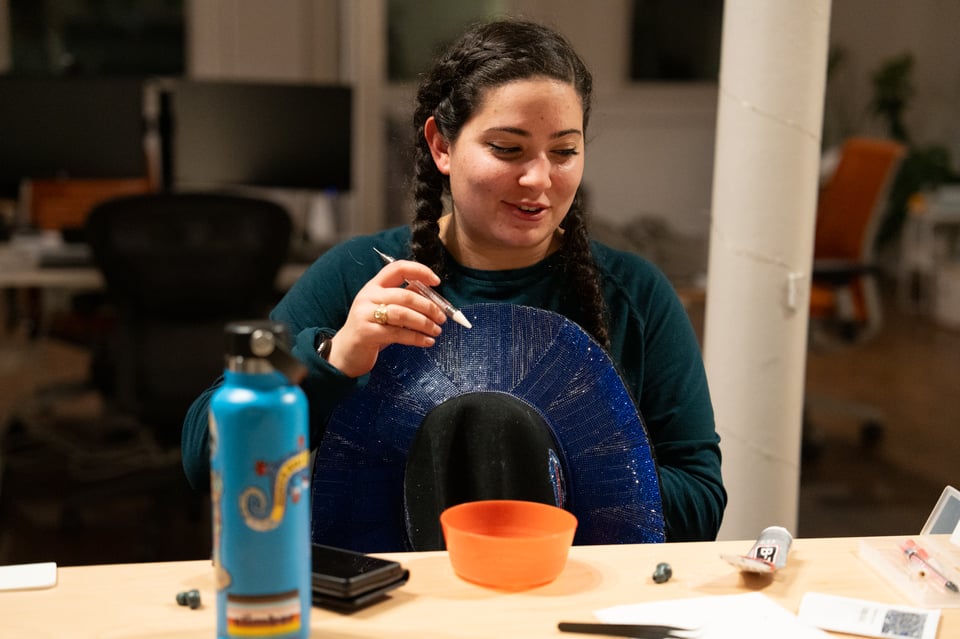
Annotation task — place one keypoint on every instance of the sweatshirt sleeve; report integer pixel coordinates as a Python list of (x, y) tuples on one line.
[(194, 443), (676, 404), (317, 304), (659, 356), (324, 386)]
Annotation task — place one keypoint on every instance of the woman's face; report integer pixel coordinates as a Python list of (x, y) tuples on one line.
[(514, 171)]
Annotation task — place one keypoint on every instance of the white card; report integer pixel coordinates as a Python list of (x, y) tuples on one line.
[(868, 618), (28, 576), (751, 615)]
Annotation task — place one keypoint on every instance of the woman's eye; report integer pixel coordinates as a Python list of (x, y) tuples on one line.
[(503, 150)]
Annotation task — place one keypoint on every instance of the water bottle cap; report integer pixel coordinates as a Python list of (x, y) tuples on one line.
[(267, 340)]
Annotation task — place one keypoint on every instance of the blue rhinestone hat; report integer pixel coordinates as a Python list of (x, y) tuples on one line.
[(602, 470)]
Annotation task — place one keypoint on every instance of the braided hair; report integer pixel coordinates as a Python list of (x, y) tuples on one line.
[(489, 55)]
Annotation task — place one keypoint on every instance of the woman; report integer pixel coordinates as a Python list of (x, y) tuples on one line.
[(501, 128)]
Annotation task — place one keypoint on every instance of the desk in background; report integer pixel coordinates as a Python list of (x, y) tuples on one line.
[(53, 282), (138, 600), (930, 248), (90, 279)]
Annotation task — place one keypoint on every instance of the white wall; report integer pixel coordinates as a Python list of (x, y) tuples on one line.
[(254, 40), (872, 32), (651, 149), (651, 146), (651, 154)]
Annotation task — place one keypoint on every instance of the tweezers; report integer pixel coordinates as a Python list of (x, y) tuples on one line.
[(637, 631)]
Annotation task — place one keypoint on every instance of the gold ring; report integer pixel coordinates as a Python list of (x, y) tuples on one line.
[(380, 314)]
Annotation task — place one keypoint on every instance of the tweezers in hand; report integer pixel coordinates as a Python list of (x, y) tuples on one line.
[(637, 631)]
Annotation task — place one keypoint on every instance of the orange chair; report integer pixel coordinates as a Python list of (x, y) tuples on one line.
[(844, 290), (844, 298)]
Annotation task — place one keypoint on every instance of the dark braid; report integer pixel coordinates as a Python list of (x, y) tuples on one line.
[(489, 55), (582, 271), (429, 185)]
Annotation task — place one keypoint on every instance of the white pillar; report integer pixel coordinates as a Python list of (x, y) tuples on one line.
[(770, 112), (364, 67)]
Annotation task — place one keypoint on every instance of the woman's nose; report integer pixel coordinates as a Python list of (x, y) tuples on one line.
[(536, 173)]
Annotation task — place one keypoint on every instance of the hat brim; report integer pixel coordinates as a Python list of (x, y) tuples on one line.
[(537, 356)]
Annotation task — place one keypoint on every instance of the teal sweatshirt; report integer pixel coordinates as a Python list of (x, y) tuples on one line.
[(652, 344)]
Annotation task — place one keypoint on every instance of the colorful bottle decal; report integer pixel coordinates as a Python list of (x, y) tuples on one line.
[(287, 478)]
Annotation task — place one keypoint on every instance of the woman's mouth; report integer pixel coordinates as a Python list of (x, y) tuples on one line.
[(530, 209)]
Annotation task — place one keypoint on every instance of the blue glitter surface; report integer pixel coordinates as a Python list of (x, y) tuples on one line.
[(609, 476)]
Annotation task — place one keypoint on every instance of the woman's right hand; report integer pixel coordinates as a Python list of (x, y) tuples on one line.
[(383, 313)]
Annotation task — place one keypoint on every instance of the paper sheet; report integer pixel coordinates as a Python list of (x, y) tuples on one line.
[(28, 576), (747, 616), (868, 618)]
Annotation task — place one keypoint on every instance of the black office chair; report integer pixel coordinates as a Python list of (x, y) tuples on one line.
[(177, 267)]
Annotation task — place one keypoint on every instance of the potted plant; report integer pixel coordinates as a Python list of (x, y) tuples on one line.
[(924, 167)]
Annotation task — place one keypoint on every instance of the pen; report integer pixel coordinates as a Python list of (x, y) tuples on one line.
[(449, 309), (915, 553)]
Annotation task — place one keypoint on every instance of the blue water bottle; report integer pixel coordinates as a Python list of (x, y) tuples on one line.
[(260, 487)]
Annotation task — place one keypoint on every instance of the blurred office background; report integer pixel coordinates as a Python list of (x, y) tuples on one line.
[(894, 72)]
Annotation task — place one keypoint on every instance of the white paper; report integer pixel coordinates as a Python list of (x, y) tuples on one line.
[(747, 616), (868, 618), (28, 576)]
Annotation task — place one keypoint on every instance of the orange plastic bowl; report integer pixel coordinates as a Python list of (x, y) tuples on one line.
[(508, 544)]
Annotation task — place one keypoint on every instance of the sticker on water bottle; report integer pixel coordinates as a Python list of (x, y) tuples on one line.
[(287, 476), (263, 615)]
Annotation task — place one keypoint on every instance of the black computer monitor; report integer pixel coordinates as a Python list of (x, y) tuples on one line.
[(294, 136), (77, 127)]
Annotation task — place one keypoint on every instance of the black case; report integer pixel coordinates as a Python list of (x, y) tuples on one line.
[(347, 580), (349, 604)]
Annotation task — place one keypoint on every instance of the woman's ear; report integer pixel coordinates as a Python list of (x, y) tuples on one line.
[(439, 147)]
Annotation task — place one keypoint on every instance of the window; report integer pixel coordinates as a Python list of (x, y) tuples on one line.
[(418, 29), (676, 40), (97, 37)]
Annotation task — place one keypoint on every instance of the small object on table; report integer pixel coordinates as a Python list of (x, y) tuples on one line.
[(768, 553), (189, 598), (28, 576), (633, 630), (921, 557), (662, 573)]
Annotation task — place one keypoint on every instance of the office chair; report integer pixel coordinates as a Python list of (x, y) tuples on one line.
[(177, 268), (845, 306), (849, 212), (62, 205)]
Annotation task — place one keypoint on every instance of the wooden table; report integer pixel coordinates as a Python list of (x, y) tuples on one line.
[(138, 600)]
